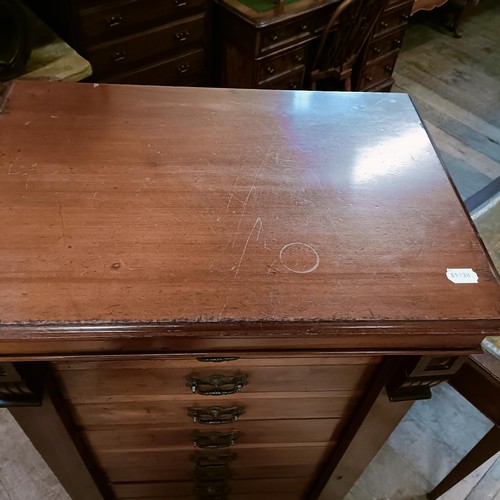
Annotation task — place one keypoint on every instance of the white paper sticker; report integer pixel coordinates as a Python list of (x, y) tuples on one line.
[(461, 275)]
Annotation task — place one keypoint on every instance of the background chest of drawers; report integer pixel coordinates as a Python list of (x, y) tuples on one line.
[(203, 426), (136, 41)]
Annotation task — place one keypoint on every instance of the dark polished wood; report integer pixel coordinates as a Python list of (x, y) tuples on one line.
[(249, 42), (257, 255), (153, 42)]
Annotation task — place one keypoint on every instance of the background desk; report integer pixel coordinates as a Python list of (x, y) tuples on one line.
[(273, 49)]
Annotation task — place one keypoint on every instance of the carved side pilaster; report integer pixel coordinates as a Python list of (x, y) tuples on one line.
[(19, 389), (415, 376)]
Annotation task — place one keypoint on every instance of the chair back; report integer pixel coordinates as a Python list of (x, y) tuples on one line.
[(343, 37)]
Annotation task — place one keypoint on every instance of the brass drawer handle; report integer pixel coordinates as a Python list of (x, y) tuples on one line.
[(214, 490), (217, 385), (215, 415), (119, 55), (388, 68), (376, 50), (216, 359), (298, 58), (182, 36), (397, 42), (213, 461), (213, 440), (383, 24), (270, 70), (273, 37), (183, 68), (180, 3), (369, 78), (209, 474), (405, 17), (304, 27), (114, 21), (292, 85)]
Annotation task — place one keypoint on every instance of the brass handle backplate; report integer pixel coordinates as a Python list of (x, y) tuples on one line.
[(217, 385), (215, 415), (213, 440)]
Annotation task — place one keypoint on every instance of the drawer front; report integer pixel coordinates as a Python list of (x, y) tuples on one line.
[(378, 71), (240, 433), (123, 53), (181, 418), (117, 19), (392, 19), (129, 381), (291, 81), (385, 45), (161, 473), (281, 65), (294, 488), (186, 69), (183, 464), (194, 410), (283, 35)]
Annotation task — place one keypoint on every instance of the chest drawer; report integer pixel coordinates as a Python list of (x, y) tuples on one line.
[(289, 488), (178, 465), (280, 65), (377, 71), (186, 69), (382, 46), (293, 80), (187, 411), (113, 381), (243, 433), (392, 19), (117, 56), (111, 20), (285, 34)]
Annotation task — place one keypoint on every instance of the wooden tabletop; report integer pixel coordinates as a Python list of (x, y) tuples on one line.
[(195, 206)]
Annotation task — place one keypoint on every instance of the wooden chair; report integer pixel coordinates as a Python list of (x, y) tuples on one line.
[(478, 381), (343, 37)]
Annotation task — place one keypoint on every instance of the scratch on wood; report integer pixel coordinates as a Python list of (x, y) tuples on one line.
[(223, 309), (62, 223), (258, 221)]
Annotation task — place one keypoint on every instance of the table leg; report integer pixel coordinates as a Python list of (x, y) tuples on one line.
[(485, 449)]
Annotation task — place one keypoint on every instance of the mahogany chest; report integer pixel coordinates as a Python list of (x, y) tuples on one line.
[(219, 293)]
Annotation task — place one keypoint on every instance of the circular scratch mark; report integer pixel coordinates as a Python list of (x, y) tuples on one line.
[(299, 258)]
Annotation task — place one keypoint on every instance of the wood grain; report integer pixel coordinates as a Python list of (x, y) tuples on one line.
[(332, 207)]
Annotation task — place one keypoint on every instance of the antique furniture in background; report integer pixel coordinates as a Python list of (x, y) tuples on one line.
[(344, 35), (222, 292), (132, 41), (274, 48)]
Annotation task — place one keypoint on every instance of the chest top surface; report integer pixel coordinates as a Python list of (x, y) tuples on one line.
[(184, 205)]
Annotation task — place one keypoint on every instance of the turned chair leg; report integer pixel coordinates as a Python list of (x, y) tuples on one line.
[(485, 449), (467, 9)]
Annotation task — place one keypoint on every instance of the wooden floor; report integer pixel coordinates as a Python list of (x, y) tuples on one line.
[(455, 84)]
